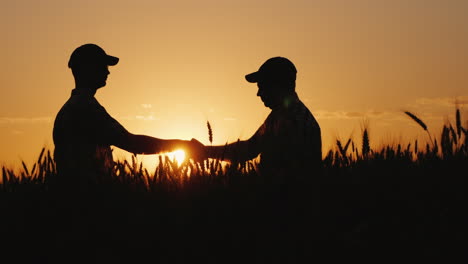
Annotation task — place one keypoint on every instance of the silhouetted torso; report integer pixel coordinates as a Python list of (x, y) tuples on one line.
[(83, 132), (289, 139)]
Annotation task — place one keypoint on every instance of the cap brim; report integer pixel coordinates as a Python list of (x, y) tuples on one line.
[(252, 77), (111, 60)]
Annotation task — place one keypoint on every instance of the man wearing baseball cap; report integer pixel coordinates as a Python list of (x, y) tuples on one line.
[(83, 130), (289, 141)]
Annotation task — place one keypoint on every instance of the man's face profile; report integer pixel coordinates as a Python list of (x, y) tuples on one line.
[(95, 75), (100, 76), (270, 92)]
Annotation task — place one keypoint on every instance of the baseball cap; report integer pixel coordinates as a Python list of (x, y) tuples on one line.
[(276, 68), (91, 54)]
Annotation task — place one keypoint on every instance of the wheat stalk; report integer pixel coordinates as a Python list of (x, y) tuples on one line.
[(421, 123), (417, 120), (210, 132), (458, 122), (454, 134)]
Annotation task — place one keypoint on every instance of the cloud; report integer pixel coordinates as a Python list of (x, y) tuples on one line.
[(146, 118), (388, 117), (354, 114), (17, 132), (324, 114), (25, 120), (443, 101)]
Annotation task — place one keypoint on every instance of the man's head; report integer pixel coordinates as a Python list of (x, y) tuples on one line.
[(276, 78), (89, 64)]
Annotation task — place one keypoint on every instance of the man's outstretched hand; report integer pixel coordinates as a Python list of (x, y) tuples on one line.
[(196, 151)]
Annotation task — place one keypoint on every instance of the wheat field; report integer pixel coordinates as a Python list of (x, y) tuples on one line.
[(392, 203)]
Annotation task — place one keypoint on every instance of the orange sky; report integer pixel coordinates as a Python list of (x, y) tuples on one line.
[(183, 63)]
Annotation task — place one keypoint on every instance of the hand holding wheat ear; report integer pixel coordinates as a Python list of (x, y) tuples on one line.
[(197, 150)]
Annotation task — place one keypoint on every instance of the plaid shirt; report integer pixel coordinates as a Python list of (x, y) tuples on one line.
[(83, 132), (289, 139)]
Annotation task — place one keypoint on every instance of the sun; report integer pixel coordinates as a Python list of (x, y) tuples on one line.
[(178, 155)]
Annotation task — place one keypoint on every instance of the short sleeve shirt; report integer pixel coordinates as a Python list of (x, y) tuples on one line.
[(83, 132)]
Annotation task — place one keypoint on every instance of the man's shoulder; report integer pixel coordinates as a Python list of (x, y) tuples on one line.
[(301, 114), (82, 107), (298, 109)]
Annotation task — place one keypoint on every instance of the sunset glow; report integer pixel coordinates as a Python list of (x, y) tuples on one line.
[(219, 131), (182, 63), (178, 156)]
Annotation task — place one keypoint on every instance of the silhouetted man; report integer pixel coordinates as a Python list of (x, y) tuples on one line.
[(84, 131), (289, 141)]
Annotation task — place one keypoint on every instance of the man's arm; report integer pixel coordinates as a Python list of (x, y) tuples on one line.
[(239, 151), (142, 144), (112, 132)]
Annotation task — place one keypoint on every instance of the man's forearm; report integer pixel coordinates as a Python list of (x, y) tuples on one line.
[(238, 151), (156, 145), (218, 152), (142, 144)]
